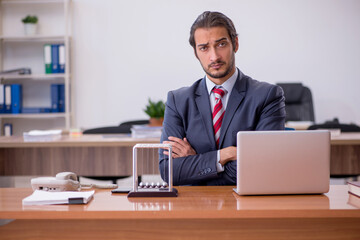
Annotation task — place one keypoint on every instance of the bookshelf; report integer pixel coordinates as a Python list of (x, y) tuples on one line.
[(34, 116), (18, 50), (43, 38)]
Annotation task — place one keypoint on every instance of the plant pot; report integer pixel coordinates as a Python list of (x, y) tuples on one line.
[(30, 29), (156, 122)]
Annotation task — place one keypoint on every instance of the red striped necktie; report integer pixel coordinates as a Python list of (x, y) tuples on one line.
[(218, 113)]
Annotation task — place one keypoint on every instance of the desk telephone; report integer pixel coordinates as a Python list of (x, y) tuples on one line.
[(64, 181)]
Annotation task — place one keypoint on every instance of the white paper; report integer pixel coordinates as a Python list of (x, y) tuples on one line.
[(42, 133), (42, 136), (40, 197)]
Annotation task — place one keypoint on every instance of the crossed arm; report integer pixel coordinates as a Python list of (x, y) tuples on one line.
[(182, 148)]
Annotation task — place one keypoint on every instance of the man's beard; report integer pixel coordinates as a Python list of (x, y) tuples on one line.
[(220, 74)]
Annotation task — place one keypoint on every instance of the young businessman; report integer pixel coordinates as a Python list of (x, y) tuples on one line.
[(201, 121)]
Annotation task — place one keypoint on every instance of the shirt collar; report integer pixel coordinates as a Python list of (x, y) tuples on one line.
[(227, 85)]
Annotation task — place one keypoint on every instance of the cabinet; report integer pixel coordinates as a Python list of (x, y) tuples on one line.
[(18, 50)]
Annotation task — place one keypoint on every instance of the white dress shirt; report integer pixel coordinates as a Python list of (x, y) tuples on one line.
[(227, 86)]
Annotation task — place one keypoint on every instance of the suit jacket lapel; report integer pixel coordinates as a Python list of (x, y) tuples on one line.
[(234, 101), (203, 104)]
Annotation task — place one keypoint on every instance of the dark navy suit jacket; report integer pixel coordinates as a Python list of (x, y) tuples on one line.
[(252, 105)]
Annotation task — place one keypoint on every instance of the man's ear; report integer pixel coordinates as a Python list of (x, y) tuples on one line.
[(236, 44)]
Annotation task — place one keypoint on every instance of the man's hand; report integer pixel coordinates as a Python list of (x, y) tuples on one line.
[(180, 147), (227, 154)]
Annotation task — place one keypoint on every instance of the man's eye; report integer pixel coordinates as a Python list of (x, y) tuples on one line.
[(222, 44), (203, 49)]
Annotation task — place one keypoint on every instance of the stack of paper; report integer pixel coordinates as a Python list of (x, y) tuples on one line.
[(145, 131), (42, 136), (44, 198)]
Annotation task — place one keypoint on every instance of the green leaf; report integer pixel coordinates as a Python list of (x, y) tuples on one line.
[(155, 109), (30, 19)]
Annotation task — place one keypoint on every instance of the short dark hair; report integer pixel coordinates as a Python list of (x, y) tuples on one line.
[(213, 19)]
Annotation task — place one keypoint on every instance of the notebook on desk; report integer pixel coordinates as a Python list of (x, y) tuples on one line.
[(283, 162)]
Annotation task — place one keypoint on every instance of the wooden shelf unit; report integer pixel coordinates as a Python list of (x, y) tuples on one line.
[(15, 38)]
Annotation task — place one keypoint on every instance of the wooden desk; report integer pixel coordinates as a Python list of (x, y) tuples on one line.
[(197, 213), (88, 155), (345, 154), (111, 155)]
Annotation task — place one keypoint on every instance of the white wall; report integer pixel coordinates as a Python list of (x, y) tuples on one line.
[(127, 51)]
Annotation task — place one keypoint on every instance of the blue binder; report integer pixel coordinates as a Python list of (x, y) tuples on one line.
[(36, 110), (55, 58), (7, 98), (16, 98), (62, 58), (61, 89), (54, 92)]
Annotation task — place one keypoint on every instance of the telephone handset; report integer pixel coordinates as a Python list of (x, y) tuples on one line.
[(64, 181)]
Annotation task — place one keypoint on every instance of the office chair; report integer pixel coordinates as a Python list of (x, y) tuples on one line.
[(298, 102), (124, 127)]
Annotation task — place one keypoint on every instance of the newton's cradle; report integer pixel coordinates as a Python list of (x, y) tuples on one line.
[(152, 189)]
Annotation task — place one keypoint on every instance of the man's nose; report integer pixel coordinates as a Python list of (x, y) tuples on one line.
[(214, 55)]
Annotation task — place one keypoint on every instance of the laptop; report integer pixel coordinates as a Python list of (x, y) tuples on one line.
[(283, 162)]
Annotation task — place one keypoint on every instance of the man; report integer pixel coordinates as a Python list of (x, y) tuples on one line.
[(201, 121)]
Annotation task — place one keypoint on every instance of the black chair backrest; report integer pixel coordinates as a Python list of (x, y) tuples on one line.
[(104, 130), (124, 127), (335, 124), (298, 102)]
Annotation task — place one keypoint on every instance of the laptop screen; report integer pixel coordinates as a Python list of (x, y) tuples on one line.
[(283, 162)]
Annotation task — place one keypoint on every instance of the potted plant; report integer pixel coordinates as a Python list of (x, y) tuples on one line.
[(156, 111), (30, 24)]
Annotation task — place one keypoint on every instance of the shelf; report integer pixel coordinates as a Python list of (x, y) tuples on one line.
[(34, 77), (31, 1), (18, 50), (35, 115), (35, 38)]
